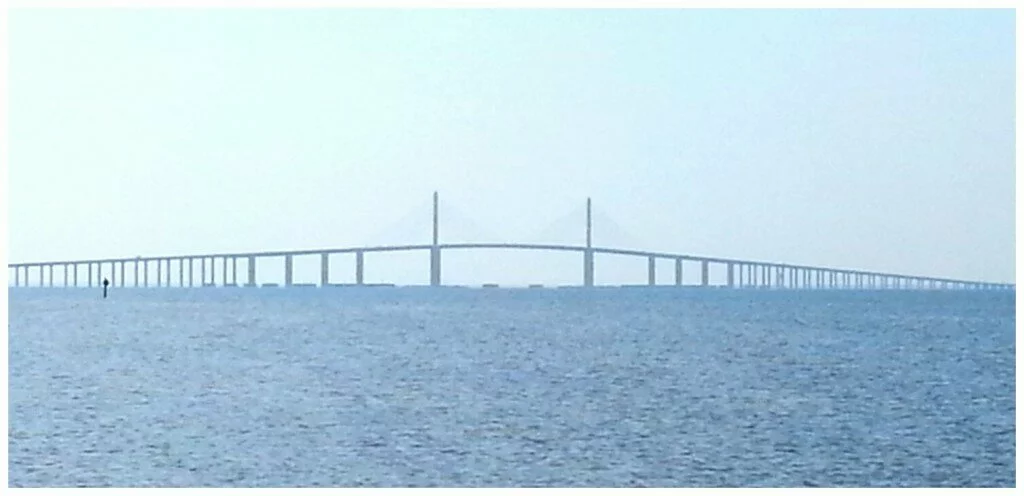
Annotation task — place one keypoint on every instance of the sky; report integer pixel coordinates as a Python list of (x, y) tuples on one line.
[(864, 139)]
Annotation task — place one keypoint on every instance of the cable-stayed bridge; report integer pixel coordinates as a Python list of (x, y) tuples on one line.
[(200, 270)]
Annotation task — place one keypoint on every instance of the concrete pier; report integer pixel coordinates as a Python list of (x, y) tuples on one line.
[(251, 281), (324, 270), (435, 250), (287, 270), (359, 268), (588, 254), (651, 280), (679, 272), (704, 273), (729, 275)]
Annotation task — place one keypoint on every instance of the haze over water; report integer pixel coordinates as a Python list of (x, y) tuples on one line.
[(880, 140), (875, 140), (504, 387)]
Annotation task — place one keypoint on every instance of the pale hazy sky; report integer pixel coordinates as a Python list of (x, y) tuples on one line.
[(877, 140)]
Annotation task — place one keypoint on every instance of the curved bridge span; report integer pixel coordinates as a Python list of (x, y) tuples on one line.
[(738, 273)]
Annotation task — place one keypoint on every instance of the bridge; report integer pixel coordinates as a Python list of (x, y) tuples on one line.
[(738, 273)]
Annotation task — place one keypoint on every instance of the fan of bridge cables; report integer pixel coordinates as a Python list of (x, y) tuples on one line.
[(571, 229), (412, 228), (416, 227), (457, 226)]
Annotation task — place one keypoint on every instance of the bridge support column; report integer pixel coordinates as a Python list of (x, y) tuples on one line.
[(704, 273), (679, 272), (65, 275), (730, 275), (359, 269), (17, 276), (223, 271), (435, 266), (651, 280), (588, 254), (588, 268), (251, 269), (324, 269), (234, 271), (435, 251), (287, 270), (202, 271)]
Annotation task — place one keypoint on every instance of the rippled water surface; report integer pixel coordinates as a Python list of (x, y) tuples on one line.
[(502, 387)]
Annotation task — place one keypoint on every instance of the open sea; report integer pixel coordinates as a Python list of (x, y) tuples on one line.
[(616, 387)]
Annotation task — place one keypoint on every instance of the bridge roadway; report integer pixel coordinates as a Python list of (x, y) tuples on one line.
[(740, 273)]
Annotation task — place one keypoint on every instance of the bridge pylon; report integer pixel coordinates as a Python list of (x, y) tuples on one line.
[(435, 251), (588, 254)]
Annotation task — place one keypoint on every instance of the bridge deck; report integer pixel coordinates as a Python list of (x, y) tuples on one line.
[(514, 246)]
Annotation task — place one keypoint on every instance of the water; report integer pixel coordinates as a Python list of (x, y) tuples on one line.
[(497, 387)]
